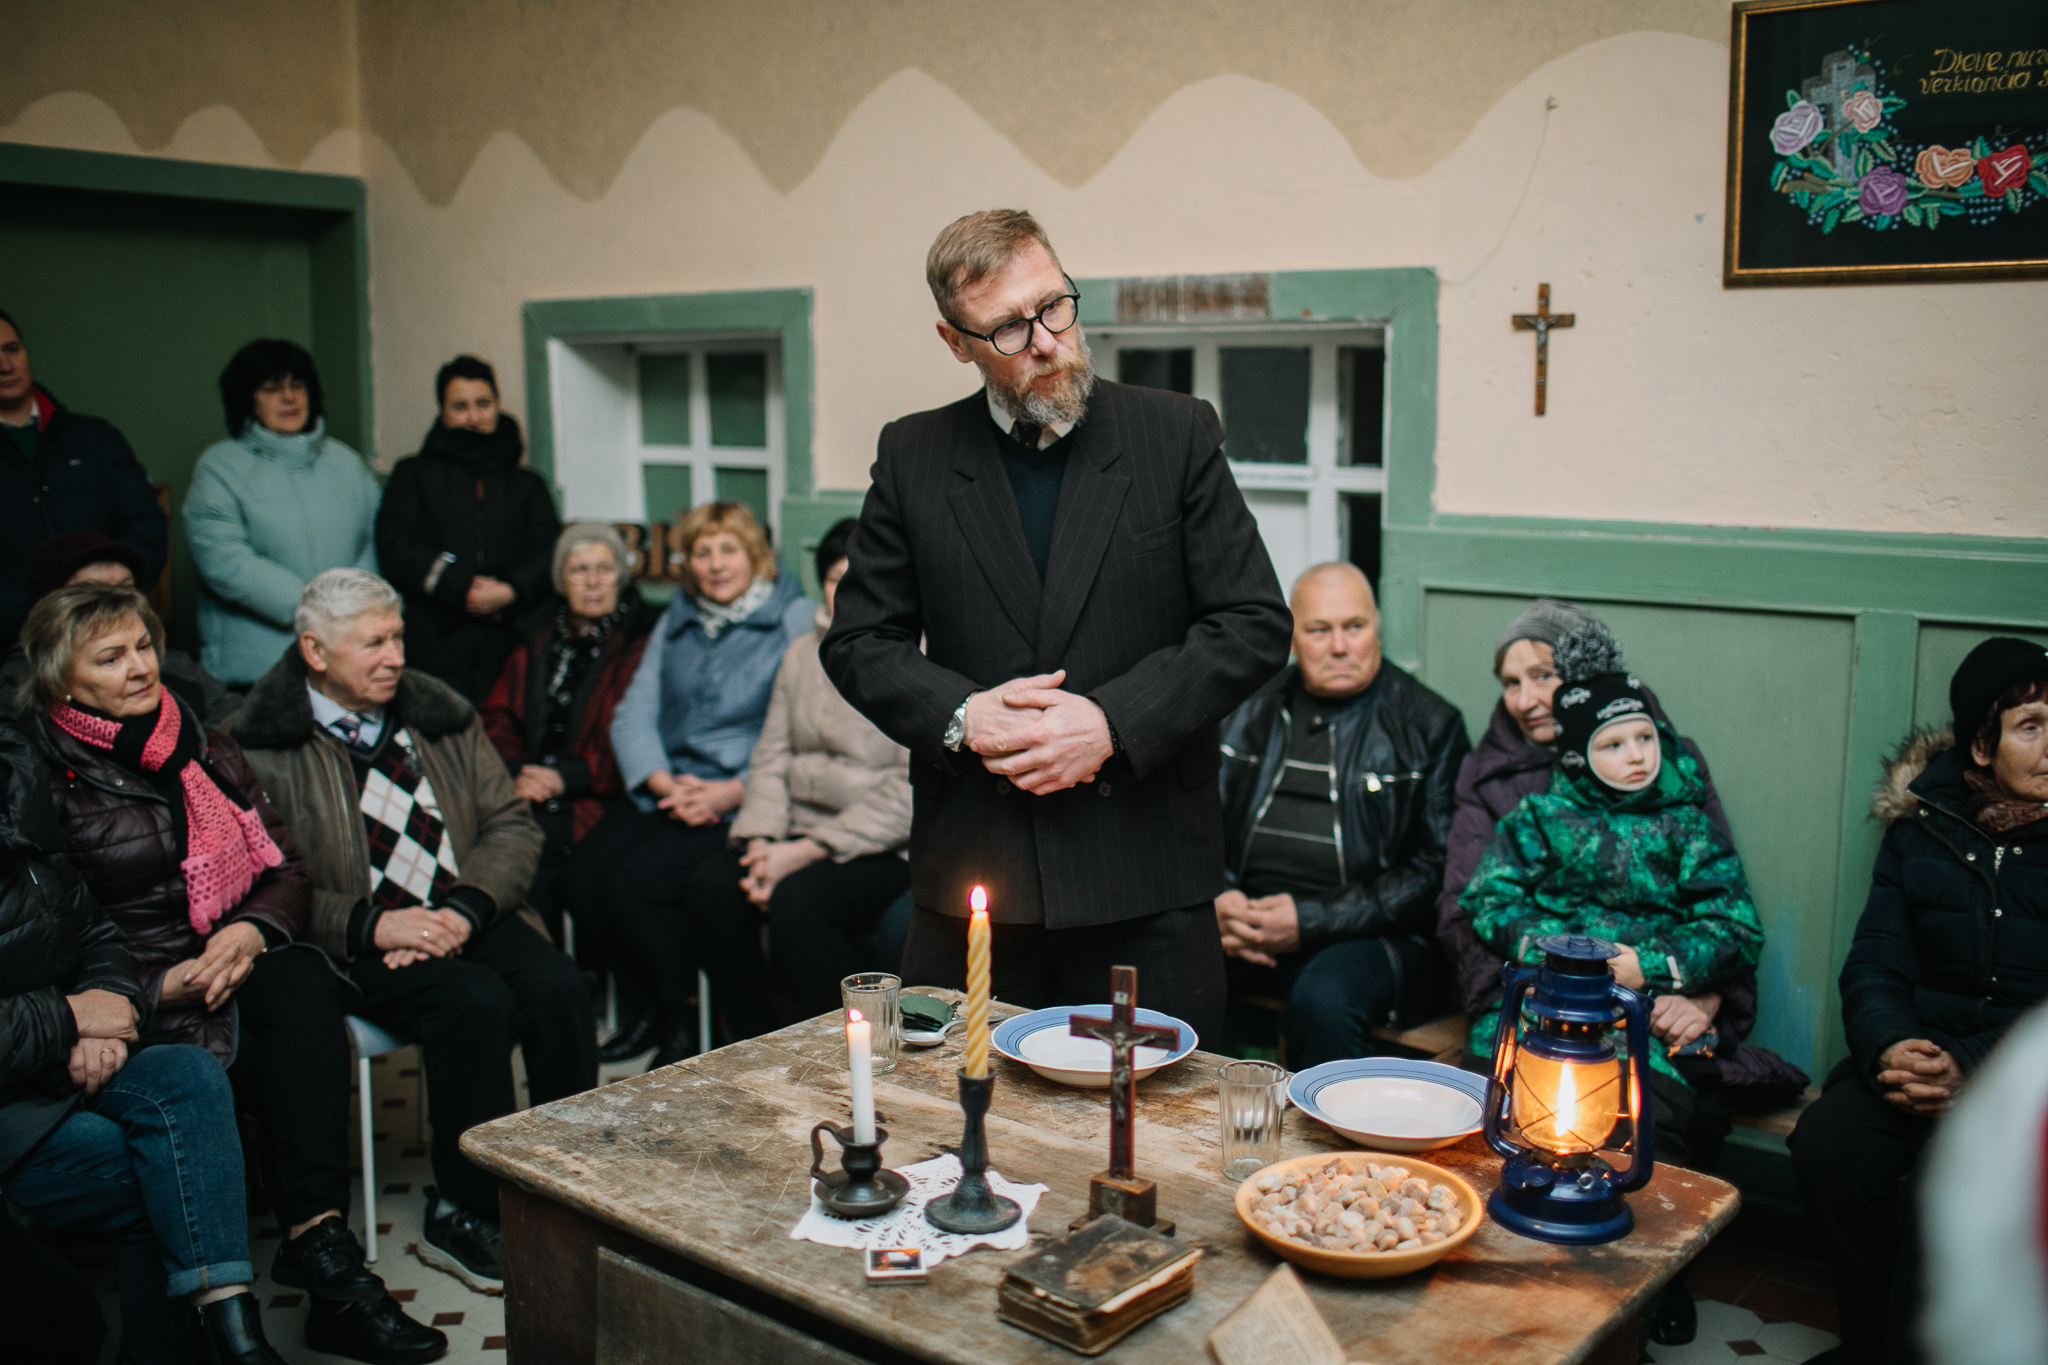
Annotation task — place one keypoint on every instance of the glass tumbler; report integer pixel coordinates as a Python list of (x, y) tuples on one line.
[(1250, 1098), (874, 994)]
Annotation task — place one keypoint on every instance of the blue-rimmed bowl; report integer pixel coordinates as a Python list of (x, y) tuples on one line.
[(1040, 1040), (1392, 1103)]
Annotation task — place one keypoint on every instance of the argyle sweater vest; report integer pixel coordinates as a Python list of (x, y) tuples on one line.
[(412, 861)]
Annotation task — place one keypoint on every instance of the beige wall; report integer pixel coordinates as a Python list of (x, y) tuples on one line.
[(611, 147)]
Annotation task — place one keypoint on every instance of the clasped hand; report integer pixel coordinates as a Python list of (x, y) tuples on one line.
[(1258, 930), (409, 936), (768, 861), (1042, 739), (209, 979), (538, 782), (488, 595), (106, 1025), (694, 801), (1919, 1077)]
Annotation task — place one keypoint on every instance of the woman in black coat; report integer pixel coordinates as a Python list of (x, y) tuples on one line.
[(467, 533), (96, 1141), (1951, 950)]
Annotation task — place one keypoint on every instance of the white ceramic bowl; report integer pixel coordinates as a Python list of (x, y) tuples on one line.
[(1040, 1040), (1392, 1104)]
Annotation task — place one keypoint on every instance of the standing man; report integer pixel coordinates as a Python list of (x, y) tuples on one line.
[(1092, 598), (63, 471)]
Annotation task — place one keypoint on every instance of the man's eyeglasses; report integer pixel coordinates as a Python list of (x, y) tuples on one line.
[(1013, 336)]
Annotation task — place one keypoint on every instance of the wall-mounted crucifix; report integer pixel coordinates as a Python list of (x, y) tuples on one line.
[(1118, 1190), (1540, 322)]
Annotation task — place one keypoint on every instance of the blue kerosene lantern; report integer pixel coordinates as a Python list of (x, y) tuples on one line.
[(1558, 1090)]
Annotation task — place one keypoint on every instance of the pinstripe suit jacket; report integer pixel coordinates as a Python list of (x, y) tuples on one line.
[(1159, 601)]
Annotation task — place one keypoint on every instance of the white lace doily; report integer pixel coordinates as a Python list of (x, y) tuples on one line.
[(904, 1225)]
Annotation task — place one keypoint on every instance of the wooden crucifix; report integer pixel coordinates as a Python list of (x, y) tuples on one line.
[(1118, 1190), (1540, 322)]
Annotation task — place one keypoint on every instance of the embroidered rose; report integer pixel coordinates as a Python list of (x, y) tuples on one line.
[(1863, 109), (1940, 168), (1796, 127), (2005, 170), (1882, 193)]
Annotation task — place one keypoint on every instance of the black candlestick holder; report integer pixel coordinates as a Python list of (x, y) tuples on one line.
[(860, 1188), (972, 1208)]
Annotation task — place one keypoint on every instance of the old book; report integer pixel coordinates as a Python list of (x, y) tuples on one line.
[(1277, 1325), (1091, 1288)]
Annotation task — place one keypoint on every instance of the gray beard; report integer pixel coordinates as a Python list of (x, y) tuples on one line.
[(1065, 406)]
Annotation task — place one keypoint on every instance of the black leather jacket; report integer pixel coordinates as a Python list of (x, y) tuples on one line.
[(1397, 747), (54, 942)]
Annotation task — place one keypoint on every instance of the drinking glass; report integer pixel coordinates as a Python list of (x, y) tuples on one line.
[(874, 994), (1250, 1098)]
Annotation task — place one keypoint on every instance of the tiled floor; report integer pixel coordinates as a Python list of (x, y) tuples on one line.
[(1759, 1301)]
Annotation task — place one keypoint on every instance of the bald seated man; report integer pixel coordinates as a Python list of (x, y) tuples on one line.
[(1338, 779)]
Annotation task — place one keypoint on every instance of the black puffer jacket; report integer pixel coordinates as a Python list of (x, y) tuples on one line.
[(54, 942), (1397, 747), (1953, 943), (466, 494)]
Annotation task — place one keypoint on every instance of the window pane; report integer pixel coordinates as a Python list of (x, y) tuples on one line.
[(666, 488), (665, 400), (1157, 369), (1361, 531), (1265, 403), (749, 486), (1362, 388), (739, 399)]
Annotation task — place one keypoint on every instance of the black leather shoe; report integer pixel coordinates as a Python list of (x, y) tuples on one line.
[(466, 1245), (326, 1261), (678, 1045), (233, 1328), (630, 1041), (377, 1332), (1674, 1320)]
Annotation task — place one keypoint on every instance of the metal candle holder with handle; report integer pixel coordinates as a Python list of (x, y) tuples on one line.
[(860, 1188)]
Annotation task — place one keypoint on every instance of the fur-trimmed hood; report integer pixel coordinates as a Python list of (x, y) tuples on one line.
[(1894, 798), (279, 715)]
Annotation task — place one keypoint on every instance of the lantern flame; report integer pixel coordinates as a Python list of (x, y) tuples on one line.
[(978, 899), (1567, 1115)]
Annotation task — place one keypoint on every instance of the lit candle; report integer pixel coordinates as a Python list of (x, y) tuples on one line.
[(977, 986), (860, 1075)]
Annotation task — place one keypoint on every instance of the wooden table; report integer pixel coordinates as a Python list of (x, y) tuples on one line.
[(659, 1192)]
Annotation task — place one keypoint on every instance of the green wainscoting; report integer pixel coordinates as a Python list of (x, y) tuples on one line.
[(1941, 648), (135, 279)]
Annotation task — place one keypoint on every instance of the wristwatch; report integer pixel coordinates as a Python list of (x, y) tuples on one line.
[(956, 728)]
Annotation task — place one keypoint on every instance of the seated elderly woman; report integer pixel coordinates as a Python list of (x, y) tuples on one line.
[(823, 829), (176, 840), (683, 735), (550, 714), (1951, 950)]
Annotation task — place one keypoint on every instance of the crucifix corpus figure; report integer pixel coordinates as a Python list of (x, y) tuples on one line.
[(1540, 322), (1118, 1190)]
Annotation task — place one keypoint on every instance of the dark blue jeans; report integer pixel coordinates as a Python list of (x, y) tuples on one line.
[(155, 1158)]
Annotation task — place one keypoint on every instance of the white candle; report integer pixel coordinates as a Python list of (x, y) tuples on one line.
[(860, 1075)]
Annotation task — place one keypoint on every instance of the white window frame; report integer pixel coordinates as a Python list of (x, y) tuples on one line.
[(703, 458), (1322, 481)]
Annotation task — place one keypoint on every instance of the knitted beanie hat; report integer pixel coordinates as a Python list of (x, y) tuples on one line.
[(1545, 619), (1987, 673), (1594, 689)]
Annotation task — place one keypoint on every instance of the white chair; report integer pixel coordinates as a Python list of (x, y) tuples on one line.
[(703, 1013), (370, 1041)]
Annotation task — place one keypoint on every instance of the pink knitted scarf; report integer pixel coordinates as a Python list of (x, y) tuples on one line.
[(226, 846)]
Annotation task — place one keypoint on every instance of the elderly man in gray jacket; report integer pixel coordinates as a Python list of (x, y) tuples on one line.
[(420, 853)]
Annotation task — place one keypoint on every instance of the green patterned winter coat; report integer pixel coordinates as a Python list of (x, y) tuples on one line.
[(1647, 869)]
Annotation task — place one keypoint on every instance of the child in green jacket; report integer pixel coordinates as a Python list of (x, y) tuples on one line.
[(1619, 847)]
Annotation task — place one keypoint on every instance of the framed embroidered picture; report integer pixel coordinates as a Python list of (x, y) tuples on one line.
[(1881, 140)]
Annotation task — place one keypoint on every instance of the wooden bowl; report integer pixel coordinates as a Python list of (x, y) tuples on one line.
[(1363, 1265)]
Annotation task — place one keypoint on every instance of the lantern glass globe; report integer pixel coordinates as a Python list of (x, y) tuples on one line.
[(1565, 1107)]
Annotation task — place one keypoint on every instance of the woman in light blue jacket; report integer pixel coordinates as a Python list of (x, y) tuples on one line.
[(683, 734), (277, 504)]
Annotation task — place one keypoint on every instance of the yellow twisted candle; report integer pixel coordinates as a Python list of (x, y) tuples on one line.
[(977, 986)]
